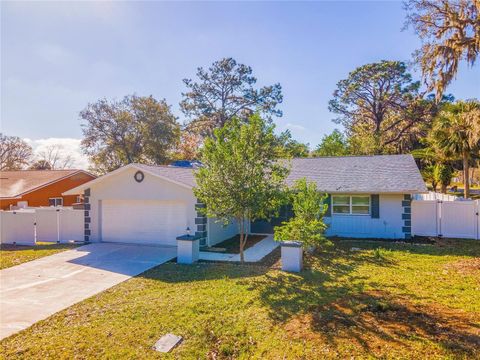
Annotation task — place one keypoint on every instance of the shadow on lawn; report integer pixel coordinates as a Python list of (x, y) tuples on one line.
[(379, 324), (176, 273), (327, 303)]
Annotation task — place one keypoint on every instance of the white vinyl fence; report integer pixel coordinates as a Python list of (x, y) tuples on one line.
[(431, 195), (453, 219), (17, 227), (27, 227)]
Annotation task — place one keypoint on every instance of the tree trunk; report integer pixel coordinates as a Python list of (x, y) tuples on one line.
[(466, 178), (242, 259), (444, 188)]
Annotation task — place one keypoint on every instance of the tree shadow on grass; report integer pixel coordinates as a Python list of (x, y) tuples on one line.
[(379, 324), (328, 304), (177, 273)]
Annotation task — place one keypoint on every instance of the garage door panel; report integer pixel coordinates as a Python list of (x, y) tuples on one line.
[(143, 221)]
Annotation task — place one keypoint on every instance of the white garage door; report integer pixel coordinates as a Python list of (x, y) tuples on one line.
[(143, 221)]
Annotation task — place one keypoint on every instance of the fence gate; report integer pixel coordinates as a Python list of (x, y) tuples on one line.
[(17, 227), (453, 219)]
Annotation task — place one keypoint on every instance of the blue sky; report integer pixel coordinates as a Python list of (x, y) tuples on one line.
[(57, 57)]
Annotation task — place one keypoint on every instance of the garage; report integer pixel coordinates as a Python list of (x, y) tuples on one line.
[(141, 204), (143, 222)]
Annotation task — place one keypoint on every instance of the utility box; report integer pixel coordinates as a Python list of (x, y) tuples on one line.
[(292, 256), (188, 249)]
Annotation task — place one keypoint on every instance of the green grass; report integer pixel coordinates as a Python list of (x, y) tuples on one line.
[(387, 300), (11, 255)]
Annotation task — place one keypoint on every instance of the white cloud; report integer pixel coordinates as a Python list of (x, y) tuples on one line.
[(294, 127), (68, 146)]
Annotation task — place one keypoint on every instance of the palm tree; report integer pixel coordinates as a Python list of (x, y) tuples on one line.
[(456, 133)]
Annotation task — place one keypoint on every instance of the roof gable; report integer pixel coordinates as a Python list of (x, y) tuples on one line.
[(14, 184)]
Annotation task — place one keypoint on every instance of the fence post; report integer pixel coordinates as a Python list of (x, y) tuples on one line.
[(58, 226), (477, 213)]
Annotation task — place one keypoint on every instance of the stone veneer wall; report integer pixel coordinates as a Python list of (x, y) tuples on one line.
[(407, 216), (201, 223), (87, 218)]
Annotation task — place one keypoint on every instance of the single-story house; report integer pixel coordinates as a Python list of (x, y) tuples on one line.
[(368, 197), (32, 188)]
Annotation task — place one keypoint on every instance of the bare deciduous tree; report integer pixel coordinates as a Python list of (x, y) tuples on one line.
[(56, 156), (15, 153)]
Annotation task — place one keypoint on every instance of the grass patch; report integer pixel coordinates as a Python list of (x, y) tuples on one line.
[(232, 245), (386, 300), (11, 255)]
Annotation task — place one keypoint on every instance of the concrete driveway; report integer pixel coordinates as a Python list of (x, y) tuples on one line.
[(37, 289)]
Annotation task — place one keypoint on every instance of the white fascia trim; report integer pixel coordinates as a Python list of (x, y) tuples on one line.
[(79, 189)]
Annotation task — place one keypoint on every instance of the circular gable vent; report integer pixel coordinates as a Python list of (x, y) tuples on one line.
[(139, 176)]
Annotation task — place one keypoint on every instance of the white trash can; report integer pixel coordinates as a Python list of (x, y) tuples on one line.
[(292, 256)]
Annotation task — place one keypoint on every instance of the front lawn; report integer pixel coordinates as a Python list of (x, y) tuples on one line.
[(388, 300), (11, 255)]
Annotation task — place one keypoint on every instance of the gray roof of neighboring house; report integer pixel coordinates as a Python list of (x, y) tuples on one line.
[(338, 174)]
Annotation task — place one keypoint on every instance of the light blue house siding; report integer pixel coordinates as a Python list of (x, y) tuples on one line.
[(388, 225)]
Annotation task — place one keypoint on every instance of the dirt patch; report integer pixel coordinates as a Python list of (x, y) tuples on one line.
[(383, 325), (466, 267)]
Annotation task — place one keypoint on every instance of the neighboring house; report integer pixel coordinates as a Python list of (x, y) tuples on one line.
[(369, 196), (22, 188)]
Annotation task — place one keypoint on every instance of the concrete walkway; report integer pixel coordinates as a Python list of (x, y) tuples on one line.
[(253, 254), (37, 289)]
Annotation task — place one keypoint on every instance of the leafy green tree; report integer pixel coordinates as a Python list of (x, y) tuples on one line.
[(428, 174), (291, 148), (15, 153), (443, 174), (456, 133), (241, 177), (135, 129), (380, 104), (307, 224), (333, 144), (226, 90), (450, 33)]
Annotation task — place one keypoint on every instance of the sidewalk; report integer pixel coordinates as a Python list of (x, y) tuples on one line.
[(253, 254)]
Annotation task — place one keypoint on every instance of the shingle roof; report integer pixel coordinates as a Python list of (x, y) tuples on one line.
[(339, 174), (178, 174), (361, 174), (15, 183)]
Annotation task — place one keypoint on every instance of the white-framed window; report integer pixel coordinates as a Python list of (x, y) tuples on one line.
[(351, 204), (56, 201), (78, 199)]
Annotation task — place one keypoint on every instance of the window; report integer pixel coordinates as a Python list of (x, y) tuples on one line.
[(55, 201), (79, 199), (351, 204)]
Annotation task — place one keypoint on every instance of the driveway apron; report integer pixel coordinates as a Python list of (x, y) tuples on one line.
[(37, 289)]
